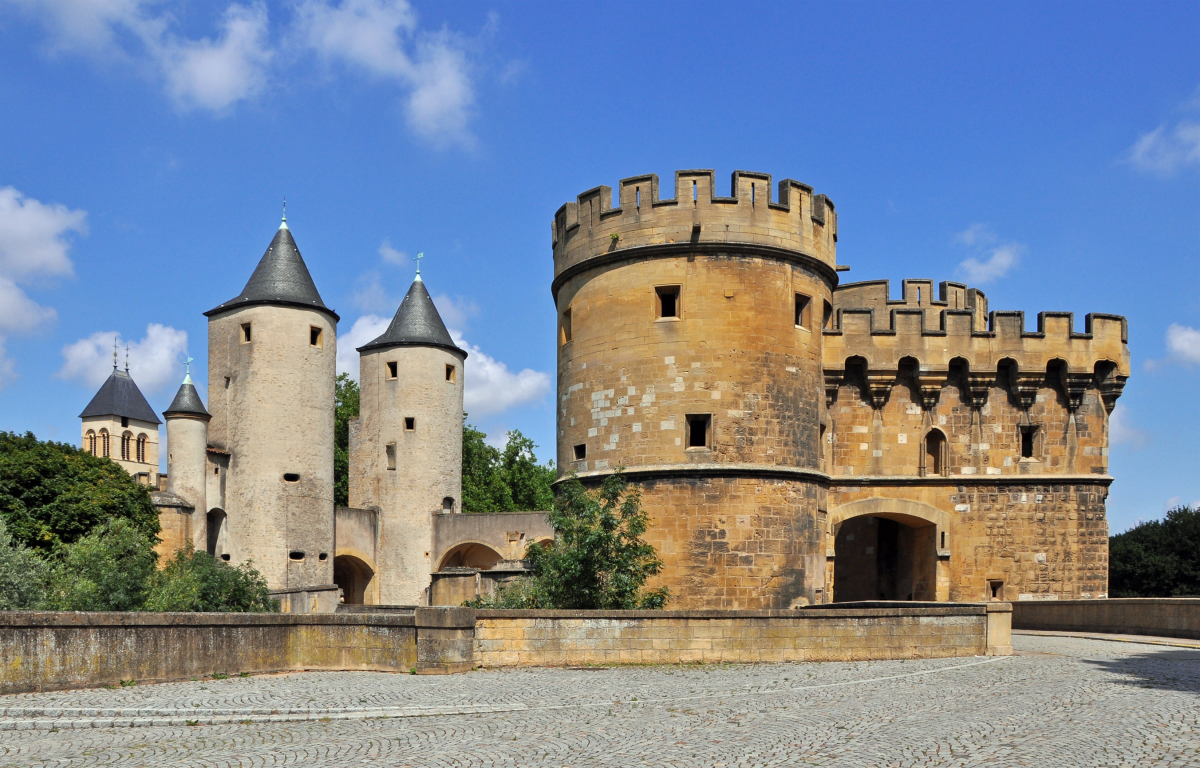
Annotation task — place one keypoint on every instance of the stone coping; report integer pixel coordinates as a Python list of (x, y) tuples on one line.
[(832, 611), (81, 619)]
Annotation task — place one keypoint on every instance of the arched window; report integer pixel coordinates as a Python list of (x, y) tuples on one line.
[(126, 446), (933, 457), (104, 444), (90, 442), (141, 449)]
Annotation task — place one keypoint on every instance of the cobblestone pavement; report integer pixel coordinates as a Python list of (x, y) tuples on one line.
[(1059, 702)]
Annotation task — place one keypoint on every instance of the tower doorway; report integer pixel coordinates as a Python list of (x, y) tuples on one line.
[(354, 577), (217, 534), (880, 558)]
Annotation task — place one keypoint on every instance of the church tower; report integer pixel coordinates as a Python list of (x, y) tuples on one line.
[(406, 446), (271, 353), (120, 424)]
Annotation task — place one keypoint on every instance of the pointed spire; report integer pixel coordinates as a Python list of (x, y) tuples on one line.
[(281, 278), (416, 324), (120, 396), (187, 400)]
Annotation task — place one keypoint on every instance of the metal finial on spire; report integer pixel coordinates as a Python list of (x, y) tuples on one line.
[(114, 353), (283, 224), (187, 376), (126, 358), (419, 257)]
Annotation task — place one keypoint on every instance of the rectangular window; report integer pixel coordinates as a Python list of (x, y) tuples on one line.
[(226, 382), (410, 423), (803, 311), (565, 332), (451, 374), (699, 429), (124, 421), (827, 321), (245, 333), (393, 370), (1027, 435), (391, 455), (580, 452), (314, 337), (995, 590), (667, 300)]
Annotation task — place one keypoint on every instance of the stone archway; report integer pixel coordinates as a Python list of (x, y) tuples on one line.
[(470, 554), (889, 549), (354, 576)]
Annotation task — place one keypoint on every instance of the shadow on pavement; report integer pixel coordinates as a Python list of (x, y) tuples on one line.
[(1169, 669)]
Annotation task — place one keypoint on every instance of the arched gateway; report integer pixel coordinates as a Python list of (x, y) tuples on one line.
[(889, 549)]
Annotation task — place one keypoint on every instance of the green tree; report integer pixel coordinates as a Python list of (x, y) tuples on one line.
[(598, 560), (504, 481), (1160, 558), (345, 408), (197, 581), (110, 569), (52, 494), (22, 574)]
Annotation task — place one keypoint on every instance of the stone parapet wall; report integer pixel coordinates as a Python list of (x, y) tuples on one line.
[(49, 651), (551, 638), (1162, 616)]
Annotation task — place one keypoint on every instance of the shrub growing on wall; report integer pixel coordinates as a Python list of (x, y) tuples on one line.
[(197, 581)]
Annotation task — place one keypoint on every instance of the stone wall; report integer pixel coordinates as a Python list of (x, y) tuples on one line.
[(551, 638), (47, 651), (1163, 616)]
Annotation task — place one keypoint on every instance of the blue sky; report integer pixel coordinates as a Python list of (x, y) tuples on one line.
[(1048, 152)]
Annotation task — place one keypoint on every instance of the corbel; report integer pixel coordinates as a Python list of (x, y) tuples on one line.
[(1110, 390)]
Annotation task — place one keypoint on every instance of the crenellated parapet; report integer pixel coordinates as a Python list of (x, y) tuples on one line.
[(592, 228), (878, 337)]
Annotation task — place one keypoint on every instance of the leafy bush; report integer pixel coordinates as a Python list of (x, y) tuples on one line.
[(22, 574), (598, 559), (110, 569), (52, 494), (504, 481), (345, 408), (197, 581), (1160, 558)]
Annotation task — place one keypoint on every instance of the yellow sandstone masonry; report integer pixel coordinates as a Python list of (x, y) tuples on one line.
[(801, 441)]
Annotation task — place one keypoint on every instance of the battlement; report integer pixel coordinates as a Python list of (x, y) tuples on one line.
[(867, 324), (796, 221)]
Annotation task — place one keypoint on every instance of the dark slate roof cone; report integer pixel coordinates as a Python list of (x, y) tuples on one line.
[(187, 401), (119, 396), (416, 324), (281, 277)]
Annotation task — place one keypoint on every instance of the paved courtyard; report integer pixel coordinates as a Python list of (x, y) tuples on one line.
[(1059, 702)]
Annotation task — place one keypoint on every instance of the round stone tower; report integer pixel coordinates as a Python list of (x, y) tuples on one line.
[(406, 446), (271, 353), (187, 457), (690, 355)]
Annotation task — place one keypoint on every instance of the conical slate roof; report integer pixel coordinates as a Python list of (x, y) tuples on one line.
[(187, 401), (281, 277), (119, 396), (416, 324)]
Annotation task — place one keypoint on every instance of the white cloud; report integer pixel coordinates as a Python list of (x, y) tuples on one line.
[(455, 311), (1121, 430), (217, 74), (490, 387), (372, 296), (154, 361), (365, 329), (1164, 150), (380, 37), (18, 312), (390, 255), (1183, 342), (8, 372), (33, 236), (993, 260)]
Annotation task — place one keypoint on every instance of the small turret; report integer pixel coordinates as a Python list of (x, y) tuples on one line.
[(406, 446), (187, 460)]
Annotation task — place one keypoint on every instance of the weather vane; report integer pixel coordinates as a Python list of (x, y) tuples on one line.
[(285, 209), (419, 257), (114, 353), (126, 358), (188, 365)]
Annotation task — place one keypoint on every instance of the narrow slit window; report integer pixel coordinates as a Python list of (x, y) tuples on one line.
[(580, 452), (699, 430), (667, 298), (827, 320), (245, 333), (943, 539), (694, 195), (291, 477), (315, 337), (803, 311), (410, 423), (295, 555), (451, 373), (995, 590), (390, 451), (1027, 436), (226, 382), (393, 370), (565, 334)]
